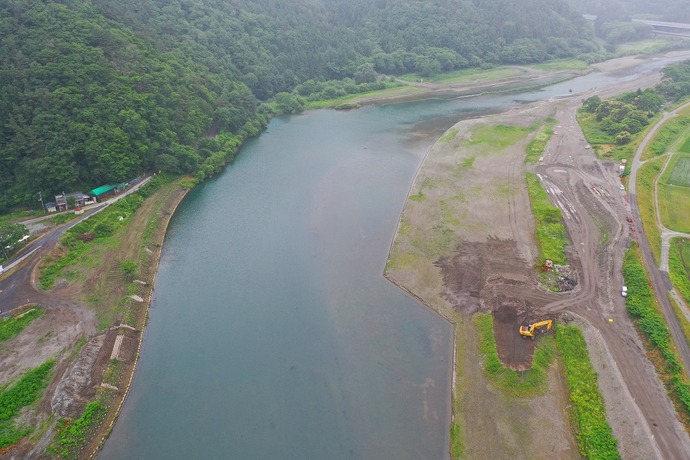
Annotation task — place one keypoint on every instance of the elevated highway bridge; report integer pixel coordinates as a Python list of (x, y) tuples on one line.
[(671, 29)]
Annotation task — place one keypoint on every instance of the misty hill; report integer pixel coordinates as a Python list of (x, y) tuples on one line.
[(98, 91)]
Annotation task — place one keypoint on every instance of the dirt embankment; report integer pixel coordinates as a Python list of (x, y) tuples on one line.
[(93, 328), (465, 243)]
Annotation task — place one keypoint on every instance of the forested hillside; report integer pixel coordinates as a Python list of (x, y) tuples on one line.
[(99, 91), (613, 16)]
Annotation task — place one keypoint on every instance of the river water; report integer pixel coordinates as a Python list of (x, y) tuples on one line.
[(273, 334)]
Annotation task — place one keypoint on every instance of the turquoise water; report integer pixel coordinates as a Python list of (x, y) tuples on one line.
[(273, 334)]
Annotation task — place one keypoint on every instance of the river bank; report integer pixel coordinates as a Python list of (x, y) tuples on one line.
[(109, 297), (633, 62), (465, 244), (167, 210)]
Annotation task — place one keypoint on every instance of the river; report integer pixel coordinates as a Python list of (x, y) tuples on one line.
[(272, 333)]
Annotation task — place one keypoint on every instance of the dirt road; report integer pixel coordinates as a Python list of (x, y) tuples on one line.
[(587, 191), (479, 197)]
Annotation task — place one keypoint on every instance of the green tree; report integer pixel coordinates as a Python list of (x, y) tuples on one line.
[(10, 236)]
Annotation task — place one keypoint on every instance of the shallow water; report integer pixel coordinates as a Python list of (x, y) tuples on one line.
[(272, 331)]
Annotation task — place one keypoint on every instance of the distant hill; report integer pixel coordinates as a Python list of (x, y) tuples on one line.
[(96, 92)]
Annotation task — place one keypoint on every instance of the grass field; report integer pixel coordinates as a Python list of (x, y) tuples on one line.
[(535, 149), (467, 75), (685, 148), (646, 176), (679, 266), (674, 194), (681, 172), (550, 232), (497, 137), (565, 64), (668, 136), (650, 46), (516, 384)]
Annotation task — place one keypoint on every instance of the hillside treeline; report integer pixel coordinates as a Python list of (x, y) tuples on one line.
[(614, 26), (96, 92)]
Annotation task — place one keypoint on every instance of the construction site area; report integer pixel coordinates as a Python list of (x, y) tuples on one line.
[(468, 246)]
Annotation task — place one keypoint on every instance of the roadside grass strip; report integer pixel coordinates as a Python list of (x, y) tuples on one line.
[(681, 172), (101, 227), (592, 129), (535, 149), (12, 326), (674, 193), (666, 136), (72, 436), (679, 266), (550, 232), (23, 393), (517, 384), (650, 323), (685, 147), (646, 176), (587, 411)]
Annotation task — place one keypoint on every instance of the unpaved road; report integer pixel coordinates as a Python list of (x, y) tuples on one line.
[(587, 191), (480, 198)]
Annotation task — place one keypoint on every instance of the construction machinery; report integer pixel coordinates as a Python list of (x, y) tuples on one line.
[(531, 329)]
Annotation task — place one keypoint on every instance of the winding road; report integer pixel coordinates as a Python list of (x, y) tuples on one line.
[(596, 213), (16, 284)]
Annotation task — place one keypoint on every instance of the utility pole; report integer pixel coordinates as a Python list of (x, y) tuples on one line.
[(40, 198)]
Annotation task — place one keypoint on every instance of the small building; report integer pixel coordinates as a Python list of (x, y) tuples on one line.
[(104, 191), (50, 207), (61, 202)]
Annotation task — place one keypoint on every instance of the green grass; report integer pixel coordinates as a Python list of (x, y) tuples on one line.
[(14, 325), (564, 64), (550, 232), (517, 384), (645, 312), (681, 172), (535, 149), (465, 76), (593, 433), (18, 216), (72, 434), (62, 218), (23, 393), (685, 146), (679, 266), (449, 135), (674, 206), (669, 134), (103, 226), (393, 90), (649, 46), (646, 175), (592, 129), (497, 137)]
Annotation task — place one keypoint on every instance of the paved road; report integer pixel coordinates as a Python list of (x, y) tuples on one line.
[(16, 288), (587, 191), (659, 278)]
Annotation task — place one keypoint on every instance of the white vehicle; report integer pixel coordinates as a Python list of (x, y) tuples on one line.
[(622, 187), (624, 291)]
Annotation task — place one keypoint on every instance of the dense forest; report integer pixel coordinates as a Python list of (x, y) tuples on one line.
[(97, 92)]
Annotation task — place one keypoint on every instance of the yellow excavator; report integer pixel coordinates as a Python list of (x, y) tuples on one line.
[(531, 329)]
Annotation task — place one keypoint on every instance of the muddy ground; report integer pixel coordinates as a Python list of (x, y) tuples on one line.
[(92, 328), (482, 260), (465, 244)]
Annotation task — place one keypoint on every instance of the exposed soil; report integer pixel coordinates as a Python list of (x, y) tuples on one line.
[(478, 197), (69, 319)]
